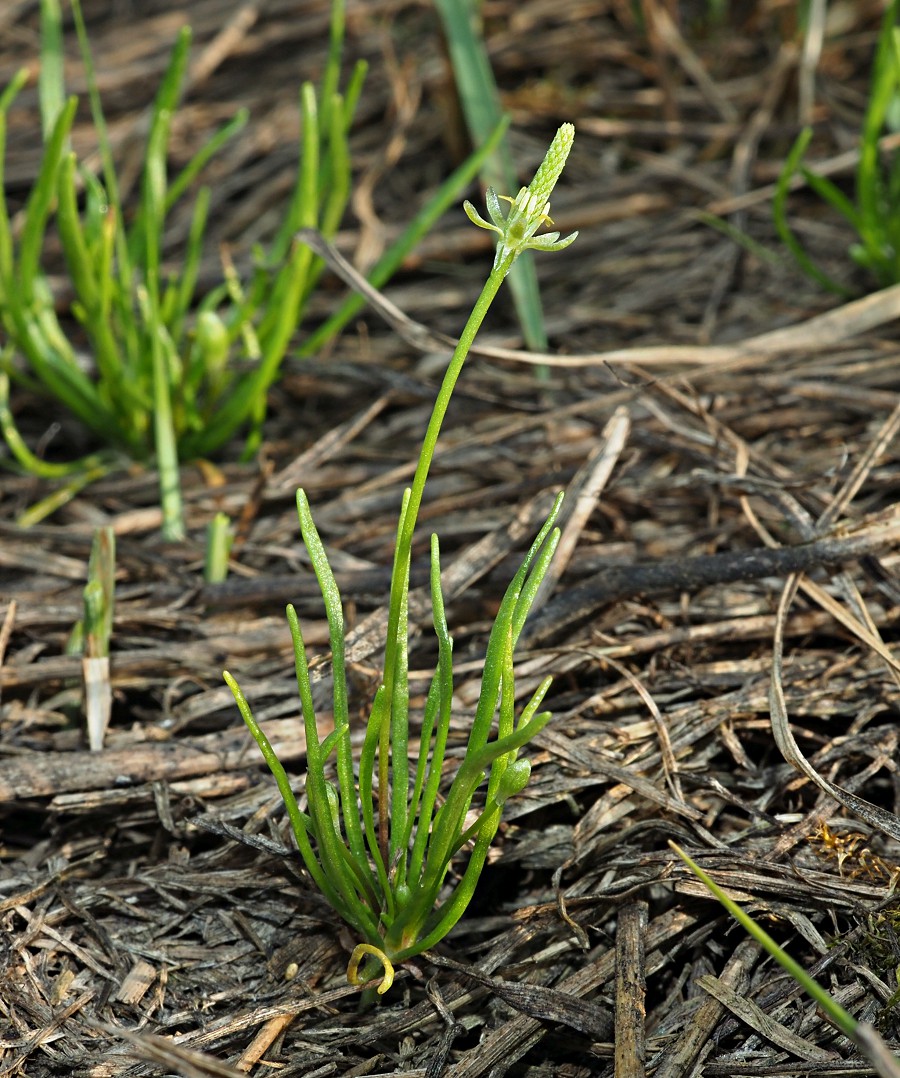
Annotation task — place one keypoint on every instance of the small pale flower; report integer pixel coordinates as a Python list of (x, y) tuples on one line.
[(529, 209)]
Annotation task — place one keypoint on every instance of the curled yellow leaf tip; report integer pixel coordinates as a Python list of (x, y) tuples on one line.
[(387, 978)]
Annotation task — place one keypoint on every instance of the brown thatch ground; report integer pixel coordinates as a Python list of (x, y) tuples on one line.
[(150, 907)]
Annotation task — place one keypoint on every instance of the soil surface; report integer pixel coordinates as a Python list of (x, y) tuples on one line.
[(722, 610)]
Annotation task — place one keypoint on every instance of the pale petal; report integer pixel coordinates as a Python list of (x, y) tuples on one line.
[(494, 208), (476, 218)]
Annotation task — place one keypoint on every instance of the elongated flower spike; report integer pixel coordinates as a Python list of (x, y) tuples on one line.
[(528, 210)]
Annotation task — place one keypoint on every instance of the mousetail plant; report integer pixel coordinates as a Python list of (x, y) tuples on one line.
[(379, 848)]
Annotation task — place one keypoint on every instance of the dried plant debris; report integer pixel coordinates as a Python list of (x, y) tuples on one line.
[(723, 428)]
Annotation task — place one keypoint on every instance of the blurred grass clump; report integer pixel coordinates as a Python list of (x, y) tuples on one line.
[(170, 375), (874, 215), (165, 373)]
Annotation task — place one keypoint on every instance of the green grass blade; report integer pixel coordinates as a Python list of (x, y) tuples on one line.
[(51, 79), (336, 179), (395, 660), (513, 779), (448, 824), (494, 658), (110, 178), (399, 737), (332, 73), (445, 196), (535, 577), (149, 227), (499, 787), (350, 881), (14, 87), (75, 249), (50, 357), (92, 280), (147, 249), (299, 823), (892, 192), (34, 465), (844, 1021), (443, 918), (480, 101), (159, 346), (219, 540), (187, 278), (832, 194), (303, 206), (40, 201), (436, 720), (784, 230), (332, 187), (738, 236), (474, 76), (102, 572), (62, 495), (99, 601), (199, 161), (418, 815), (869, 185), (334, 612), (282, 303), (353, 92), (377, 717), (6, 241)]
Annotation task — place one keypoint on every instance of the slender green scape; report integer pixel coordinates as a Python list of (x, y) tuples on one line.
[(482, 109), (379, 850)]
